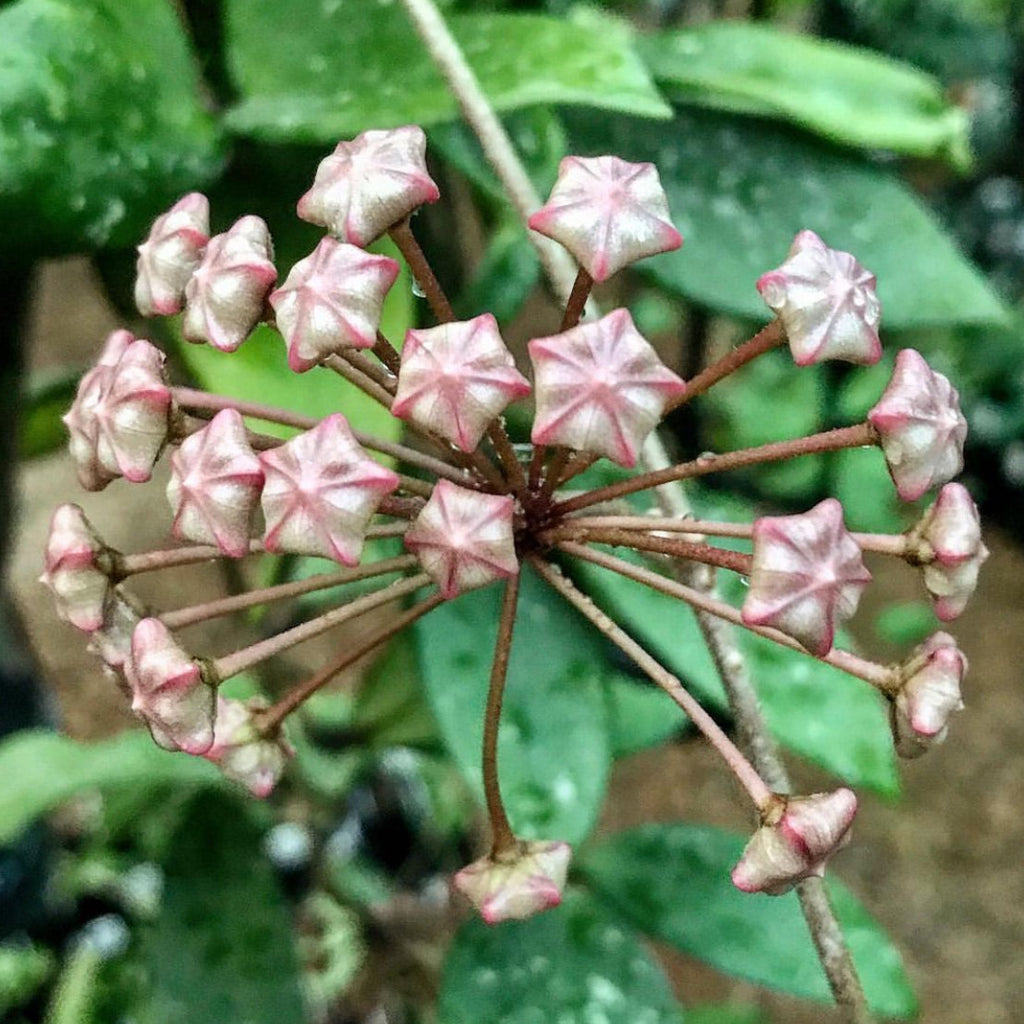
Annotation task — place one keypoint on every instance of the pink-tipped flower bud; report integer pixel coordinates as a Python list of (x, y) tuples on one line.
[(928, 695), (601, 388), (215, 485), (367, 185), (112, 642), (73, 570), (827, 303), (798, 837), (947, 544), (170, 255), (320, 493), (226, 296), (456, 378), (608, 213), (515, 886), (464, 539), (807, 575), (921, 427), (332, 300), (120, 419), (170, 690), (242, 753)]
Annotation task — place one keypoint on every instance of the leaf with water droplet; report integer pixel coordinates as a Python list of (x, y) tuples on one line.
[(556, 968), (740, 189), (520, 59), (672, 881), (101, 125)]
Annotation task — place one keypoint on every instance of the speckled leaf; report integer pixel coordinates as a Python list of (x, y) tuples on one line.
[(222, 948), (553, 747), (319, 70), (849, 95), (672, 881), (740, 189), (101, 123), (573, 965), (41, 769)]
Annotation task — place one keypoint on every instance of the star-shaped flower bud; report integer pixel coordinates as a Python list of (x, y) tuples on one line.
[(518, 885), (215, 485), (929, 694), (608, 213), (225, 297), (464, 538), (73, 569), (367, 185), (827, 303), (921, 427), (241, 753), (170, 254), (332, 300), (947, 544), (601, 388), (807, 575), (456, 378), (321, 490), (120, 418), (795, 842), (170, 690)]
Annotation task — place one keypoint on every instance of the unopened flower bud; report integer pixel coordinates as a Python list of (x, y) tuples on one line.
[(332, 300), (519, 884), (170, 689), (464, 539), (170, 254), (795, 841), (456, 378), (72, 569), (600, 388), (321, 491), (112, 642), (608, 213), (215, 485), (921, 427), (947, 544), (827, 303), (928, 695), (242, 753), (226, 296), (807, 575), (367, 185)]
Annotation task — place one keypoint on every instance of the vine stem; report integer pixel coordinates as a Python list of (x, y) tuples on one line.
[(765, 340), (880, 543), (858, 436), (182, 617), (882, 677), (744, 771), (270, 720), (401, 234), (231, 664), (168, 558), (577, 300), (503, 839), (191, 398), (694, 551), (345, 368)]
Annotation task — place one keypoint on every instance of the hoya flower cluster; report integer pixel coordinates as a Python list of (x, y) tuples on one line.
[(470, 505)]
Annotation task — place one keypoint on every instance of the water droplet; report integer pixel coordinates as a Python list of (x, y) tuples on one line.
[(417, 290)]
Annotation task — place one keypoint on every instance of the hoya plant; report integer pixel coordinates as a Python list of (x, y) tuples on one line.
[(514, 515)]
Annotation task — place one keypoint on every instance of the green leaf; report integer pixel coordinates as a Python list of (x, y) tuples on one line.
[(724, 1013), (24, 968), (222, 948), (101, 124), (553, 747), (504, 278), (640, 715), (317, 71), (851, 96), (41, 429), (740, 189), (817, 711), (41, 769), (672, 881), (574, 965)]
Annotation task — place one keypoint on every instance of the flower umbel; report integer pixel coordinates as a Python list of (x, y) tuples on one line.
[(470, 500)]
